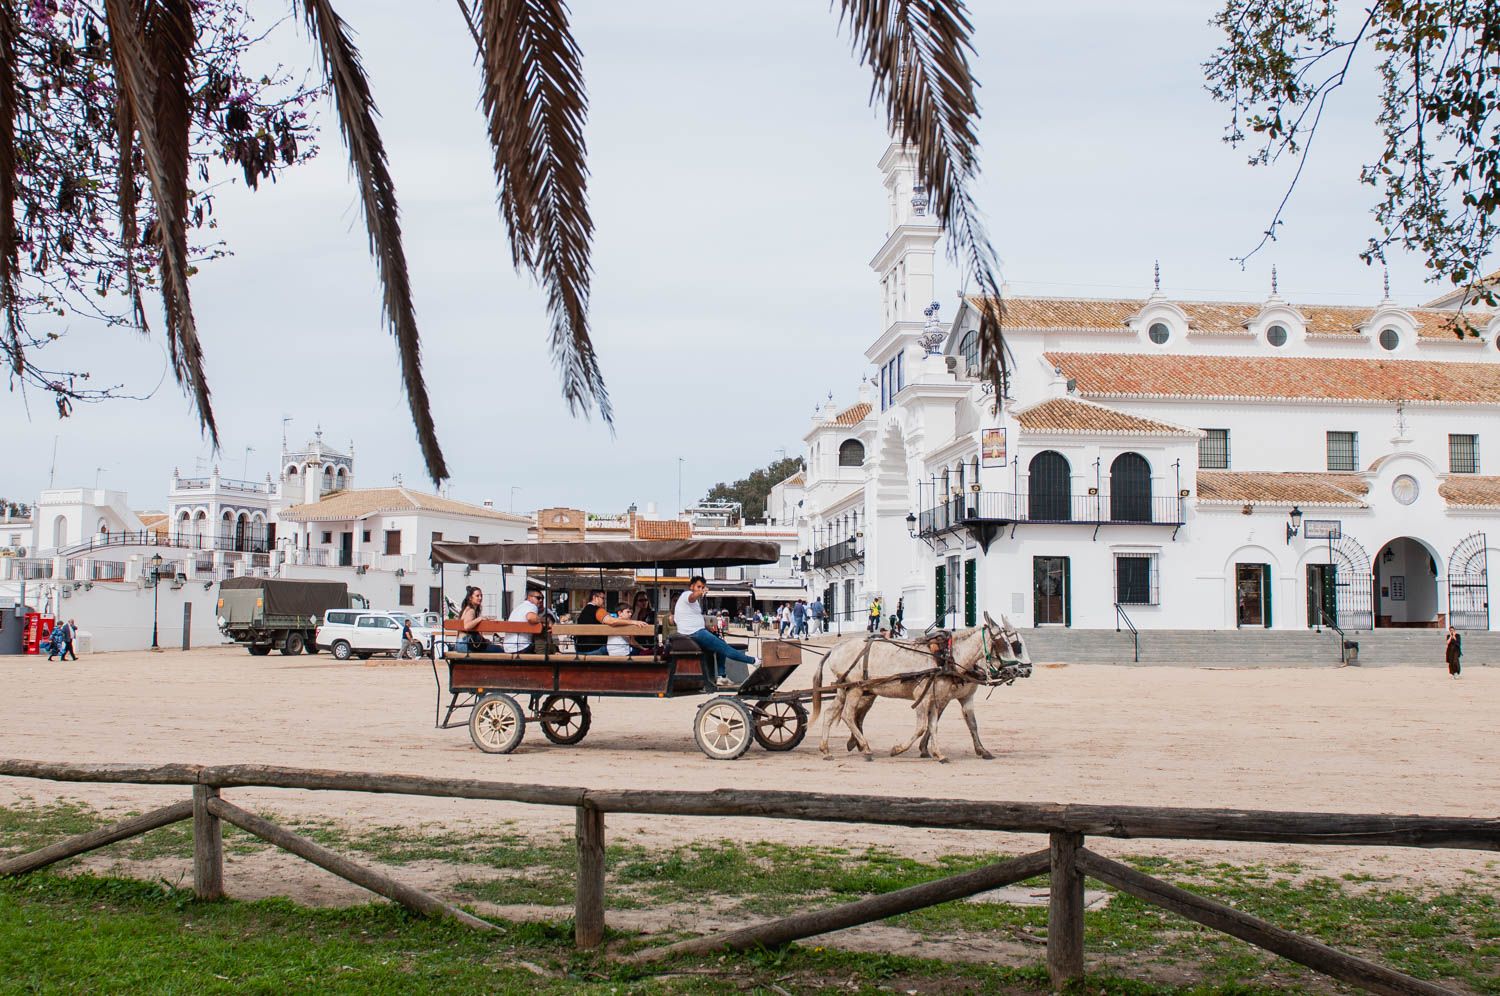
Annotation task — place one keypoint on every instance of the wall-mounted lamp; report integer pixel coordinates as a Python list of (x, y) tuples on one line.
[(911, 524), (974, 487), (1093, 492), (1184, 493), (1293, 524)]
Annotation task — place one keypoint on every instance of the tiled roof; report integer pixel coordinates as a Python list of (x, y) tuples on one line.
[(1214, 317), (795, 481), (1471, 490), (1166, 375), (357, 503), (1068, 415), (663, 529), (1239, 488), (157, 523), (853, 415)]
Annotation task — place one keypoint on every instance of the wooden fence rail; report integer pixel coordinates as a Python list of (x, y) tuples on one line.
[(1066, 860)]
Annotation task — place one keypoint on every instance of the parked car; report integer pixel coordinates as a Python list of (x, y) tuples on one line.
[(350, 633)]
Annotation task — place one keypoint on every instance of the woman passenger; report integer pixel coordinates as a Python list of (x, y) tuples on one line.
[(469, 618), (641, 610)]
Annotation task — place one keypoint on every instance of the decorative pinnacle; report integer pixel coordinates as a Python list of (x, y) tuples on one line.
[(1273, 279), (1386, 281), (931, 339), (1156, 279)]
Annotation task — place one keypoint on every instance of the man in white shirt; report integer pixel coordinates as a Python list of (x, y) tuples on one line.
[(688, 617), (526, 611)]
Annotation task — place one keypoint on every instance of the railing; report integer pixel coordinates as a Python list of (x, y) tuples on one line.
[(31, 569), (175, 539), (1090, 510), (842, 552), (384, 561), (1326, 621), (1065, 860), (106, 570), (1135, 634), (225, 484)]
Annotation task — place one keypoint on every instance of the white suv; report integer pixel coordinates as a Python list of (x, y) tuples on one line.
[(356, 633)]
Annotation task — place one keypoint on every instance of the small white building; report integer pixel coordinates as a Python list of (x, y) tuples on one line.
[(1160, 463)]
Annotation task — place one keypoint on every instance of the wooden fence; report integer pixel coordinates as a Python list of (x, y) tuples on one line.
[(1065, 859)]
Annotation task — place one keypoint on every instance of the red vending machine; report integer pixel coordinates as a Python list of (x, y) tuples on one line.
[(34, 626)]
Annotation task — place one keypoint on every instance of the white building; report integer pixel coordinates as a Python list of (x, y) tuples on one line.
[(1159, 463)]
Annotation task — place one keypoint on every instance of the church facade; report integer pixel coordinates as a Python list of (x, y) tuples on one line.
[(1158, 463)]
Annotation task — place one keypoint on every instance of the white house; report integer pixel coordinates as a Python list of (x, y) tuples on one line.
[(1160, 463)]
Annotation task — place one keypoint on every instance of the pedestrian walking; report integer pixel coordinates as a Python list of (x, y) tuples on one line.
[(799, 619), (816, 617), (70, 634), (875, 615), (1454, 652)]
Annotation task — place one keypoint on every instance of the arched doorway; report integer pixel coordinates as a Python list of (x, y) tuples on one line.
[(1406, 585), (1130, 489)]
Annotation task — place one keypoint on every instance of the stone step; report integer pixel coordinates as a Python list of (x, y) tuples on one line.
[(1239, 648)]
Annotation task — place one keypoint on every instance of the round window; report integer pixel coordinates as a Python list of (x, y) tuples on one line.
[(1389, 339), (1405, 489), (1276, 335), (1159, 333)]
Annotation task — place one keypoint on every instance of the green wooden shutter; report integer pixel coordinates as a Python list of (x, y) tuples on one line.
[(940, 594), (971, 599), (1265, 592)]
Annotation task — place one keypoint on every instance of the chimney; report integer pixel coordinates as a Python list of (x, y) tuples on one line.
[(489, 503)]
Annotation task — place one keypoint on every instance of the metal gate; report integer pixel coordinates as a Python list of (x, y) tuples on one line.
[(1354, 585), (1469, 584)]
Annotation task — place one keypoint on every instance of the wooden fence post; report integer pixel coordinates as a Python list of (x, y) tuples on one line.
[(208, 846), (588, 910), (1065, 911)]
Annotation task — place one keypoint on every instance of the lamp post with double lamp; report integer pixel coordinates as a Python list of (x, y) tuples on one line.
[(155, 597)]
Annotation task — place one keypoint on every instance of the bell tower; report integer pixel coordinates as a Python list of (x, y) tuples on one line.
[(905, 262)]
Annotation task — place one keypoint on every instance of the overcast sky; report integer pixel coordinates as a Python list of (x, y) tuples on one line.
[(737, 206)]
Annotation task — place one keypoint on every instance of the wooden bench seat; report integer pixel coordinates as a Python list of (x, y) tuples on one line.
[(494, 626)]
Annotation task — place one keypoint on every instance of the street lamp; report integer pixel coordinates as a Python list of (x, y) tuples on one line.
[(155, 596), (1294, 524), (911, 524)]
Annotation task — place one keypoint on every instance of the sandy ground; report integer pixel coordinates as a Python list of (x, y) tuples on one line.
[(1379, 740)]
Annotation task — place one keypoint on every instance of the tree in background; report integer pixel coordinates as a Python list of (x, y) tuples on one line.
[(751, 492), (144, 65), (1438, 62)]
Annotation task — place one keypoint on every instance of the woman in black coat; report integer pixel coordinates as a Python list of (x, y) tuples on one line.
[(1454, 652)]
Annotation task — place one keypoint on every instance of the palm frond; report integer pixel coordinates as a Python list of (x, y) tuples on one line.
[(127, 200), (918, 51), (10, 241), (536, 103), (356, 110), (146, 71)]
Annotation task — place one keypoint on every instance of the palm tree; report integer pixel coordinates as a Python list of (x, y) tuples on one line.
[(535, 102)]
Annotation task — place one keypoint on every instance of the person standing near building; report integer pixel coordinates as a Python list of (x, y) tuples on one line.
[(816, 615), (1453, 650), (875, 615), (799, 619), (70, 635), (688, 617), (898, 619)]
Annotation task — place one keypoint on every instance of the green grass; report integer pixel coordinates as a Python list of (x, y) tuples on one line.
[(1451, 936)]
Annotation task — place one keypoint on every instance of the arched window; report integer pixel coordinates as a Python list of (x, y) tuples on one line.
[(958, 474), (968, 348), (1049, 488), (341, 480), (1130, 489), (851, 453), (328, 478), (291, 471), (60, 531), (947, 483)]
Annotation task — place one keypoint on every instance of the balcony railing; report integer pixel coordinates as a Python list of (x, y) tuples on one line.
[(106, 570), (31, 569), (843, 552), (177, 539), (1091, 510)]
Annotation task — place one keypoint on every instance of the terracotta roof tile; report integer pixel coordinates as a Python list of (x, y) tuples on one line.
[(797, 480), (1215, 317), (1069, 415), (662, 529), (1471, 490), (357, 503), (1238, 488), (853, 415), (1321, 379)]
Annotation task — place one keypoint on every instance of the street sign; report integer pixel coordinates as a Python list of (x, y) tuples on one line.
[(1322, 529)]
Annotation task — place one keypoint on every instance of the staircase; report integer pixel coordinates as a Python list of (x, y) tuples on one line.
[(1251, 647)]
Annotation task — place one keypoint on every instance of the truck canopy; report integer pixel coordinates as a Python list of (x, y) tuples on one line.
[(282, 597)]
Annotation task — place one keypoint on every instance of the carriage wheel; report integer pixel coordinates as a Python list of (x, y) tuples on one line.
[(497, 724), (779, 725), (565, 719), (723, 728)]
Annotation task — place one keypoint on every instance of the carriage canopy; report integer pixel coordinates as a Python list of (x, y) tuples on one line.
[(611, 553)]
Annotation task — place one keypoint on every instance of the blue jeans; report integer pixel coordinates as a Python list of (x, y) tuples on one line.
[(719, 650)]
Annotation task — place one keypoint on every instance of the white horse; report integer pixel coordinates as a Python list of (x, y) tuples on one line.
[(918, 672)]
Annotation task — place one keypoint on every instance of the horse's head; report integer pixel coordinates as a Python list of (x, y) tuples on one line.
[(1006, 645)]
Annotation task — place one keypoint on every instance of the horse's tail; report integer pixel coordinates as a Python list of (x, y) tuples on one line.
[(817, 692)]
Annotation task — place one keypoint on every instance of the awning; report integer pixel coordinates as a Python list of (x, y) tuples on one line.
[(729, 593), (690, 553), (768, 593)]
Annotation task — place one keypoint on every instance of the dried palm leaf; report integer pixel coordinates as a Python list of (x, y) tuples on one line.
[(919, 51), (356, 110), (10, 241), (147, 70), (127, 200), (535, 100)]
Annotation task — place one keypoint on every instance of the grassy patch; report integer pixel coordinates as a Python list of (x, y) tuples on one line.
[(1451, 936)]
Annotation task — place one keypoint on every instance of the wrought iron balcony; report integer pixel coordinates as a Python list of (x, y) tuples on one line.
[(986, 512), (845, 551)]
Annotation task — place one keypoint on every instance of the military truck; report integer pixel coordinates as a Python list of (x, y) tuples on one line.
[(268, 614)]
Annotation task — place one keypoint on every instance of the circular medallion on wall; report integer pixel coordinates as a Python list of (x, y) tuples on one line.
[(1405, 489)]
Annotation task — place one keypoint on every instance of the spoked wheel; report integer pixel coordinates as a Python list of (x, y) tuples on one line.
[(565, 719), (497, 724), (723, 728), (779, 725)]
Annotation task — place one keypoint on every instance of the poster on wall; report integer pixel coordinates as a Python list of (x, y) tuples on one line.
[(992, 447)]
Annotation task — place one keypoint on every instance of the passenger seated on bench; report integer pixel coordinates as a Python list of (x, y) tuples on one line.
[(469, 618), (688, 615), (526, 611), (619, 646), (593, 614)]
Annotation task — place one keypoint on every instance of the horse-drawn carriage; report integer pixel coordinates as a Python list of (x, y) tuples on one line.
[(556, 681)]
